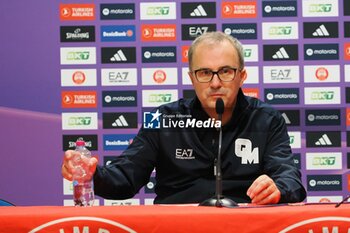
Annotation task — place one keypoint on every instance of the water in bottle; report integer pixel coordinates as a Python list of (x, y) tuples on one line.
[(83, 191)]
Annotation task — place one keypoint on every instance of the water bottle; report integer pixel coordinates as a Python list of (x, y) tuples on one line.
[(83, 190)]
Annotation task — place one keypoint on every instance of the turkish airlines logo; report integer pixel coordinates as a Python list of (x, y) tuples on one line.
[(347, 51), (159, 32), (252, 92), (77, 11), (79, 99), (239, 10)]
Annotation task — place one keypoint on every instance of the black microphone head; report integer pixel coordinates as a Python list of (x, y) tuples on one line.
[(219, 106)]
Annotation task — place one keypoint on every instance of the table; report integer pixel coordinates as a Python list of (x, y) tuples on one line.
[(176, 218)]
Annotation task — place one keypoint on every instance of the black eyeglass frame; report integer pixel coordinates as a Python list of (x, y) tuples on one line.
[(217, 73)]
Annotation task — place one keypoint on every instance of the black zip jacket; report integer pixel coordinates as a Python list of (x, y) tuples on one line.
[(254, 142)]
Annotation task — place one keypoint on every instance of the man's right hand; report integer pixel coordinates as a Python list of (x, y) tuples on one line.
[(89, 165)]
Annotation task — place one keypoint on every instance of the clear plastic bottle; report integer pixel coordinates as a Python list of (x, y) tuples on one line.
[(83, 189)]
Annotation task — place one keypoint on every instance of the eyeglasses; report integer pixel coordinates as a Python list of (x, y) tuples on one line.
[(225, 74)]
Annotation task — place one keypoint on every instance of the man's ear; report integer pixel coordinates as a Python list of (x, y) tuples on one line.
[(243, 74), (190, 74)]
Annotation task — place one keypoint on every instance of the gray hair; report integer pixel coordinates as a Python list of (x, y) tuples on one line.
[(216, 37)]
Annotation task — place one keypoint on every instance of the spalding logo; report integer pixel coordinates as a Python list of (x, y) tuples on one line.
[(83, 225), (322, 224)]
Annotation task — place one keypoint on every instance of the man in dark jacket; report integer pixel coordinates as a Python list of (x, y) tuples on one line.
[(182, 144)]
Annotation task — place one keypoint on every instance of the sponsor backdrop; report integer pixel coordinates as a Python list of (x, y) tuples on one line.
[(110, 62)]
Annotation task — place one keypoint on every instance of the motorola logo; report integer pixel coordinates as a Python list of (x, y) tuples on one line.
[(280, 52), (279, 8), (321, 30), (119, 98), (282, 96), (321, 51), (324, 182), (323, 139), (323, 117), (158, 54), (191, 31), (245, 31), (117, 11), (118, 55), (198, 10)]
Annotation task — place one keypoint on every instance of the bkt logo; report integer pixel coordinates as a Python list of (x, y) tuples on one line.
[(279, 8), (250, 52), (314, 95), (158, 54), (154, 98), (117, 11), (280, 30), (78, 55), (324, 161), (321, 51), (320, 8), (159, 10), (191, 31), (151, 120), (241, 31)]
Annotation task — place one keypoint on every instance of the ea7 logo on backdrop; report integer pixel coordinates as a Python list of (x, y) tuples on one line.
[(241, 31), (281, 74), (116, 120), (321, 30), (198, 10), (118, 55), (191, 31), (279, 8), (321, 51), (158, 54), (119, 77), (323, 139), (280, 52), (117, 11), (245, 150), (77, 33)]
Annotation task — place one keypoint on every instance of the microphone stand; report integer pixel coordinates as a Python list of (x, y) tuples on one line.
[(219, 200)]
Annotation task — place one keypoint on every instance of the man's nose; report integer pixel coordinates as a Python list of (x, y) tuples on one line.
[(215, 82)]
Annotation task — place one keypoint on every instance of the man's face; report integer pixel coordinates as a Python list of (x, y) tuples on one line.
[(215, 56)]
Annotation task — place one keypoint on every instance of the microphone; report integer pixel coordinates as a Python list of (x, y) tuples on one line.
[(219, 200)]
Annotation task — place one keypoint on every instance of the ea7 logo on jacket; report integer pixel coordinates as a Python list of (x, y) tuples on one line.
[(243, 149), (184, 154)]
